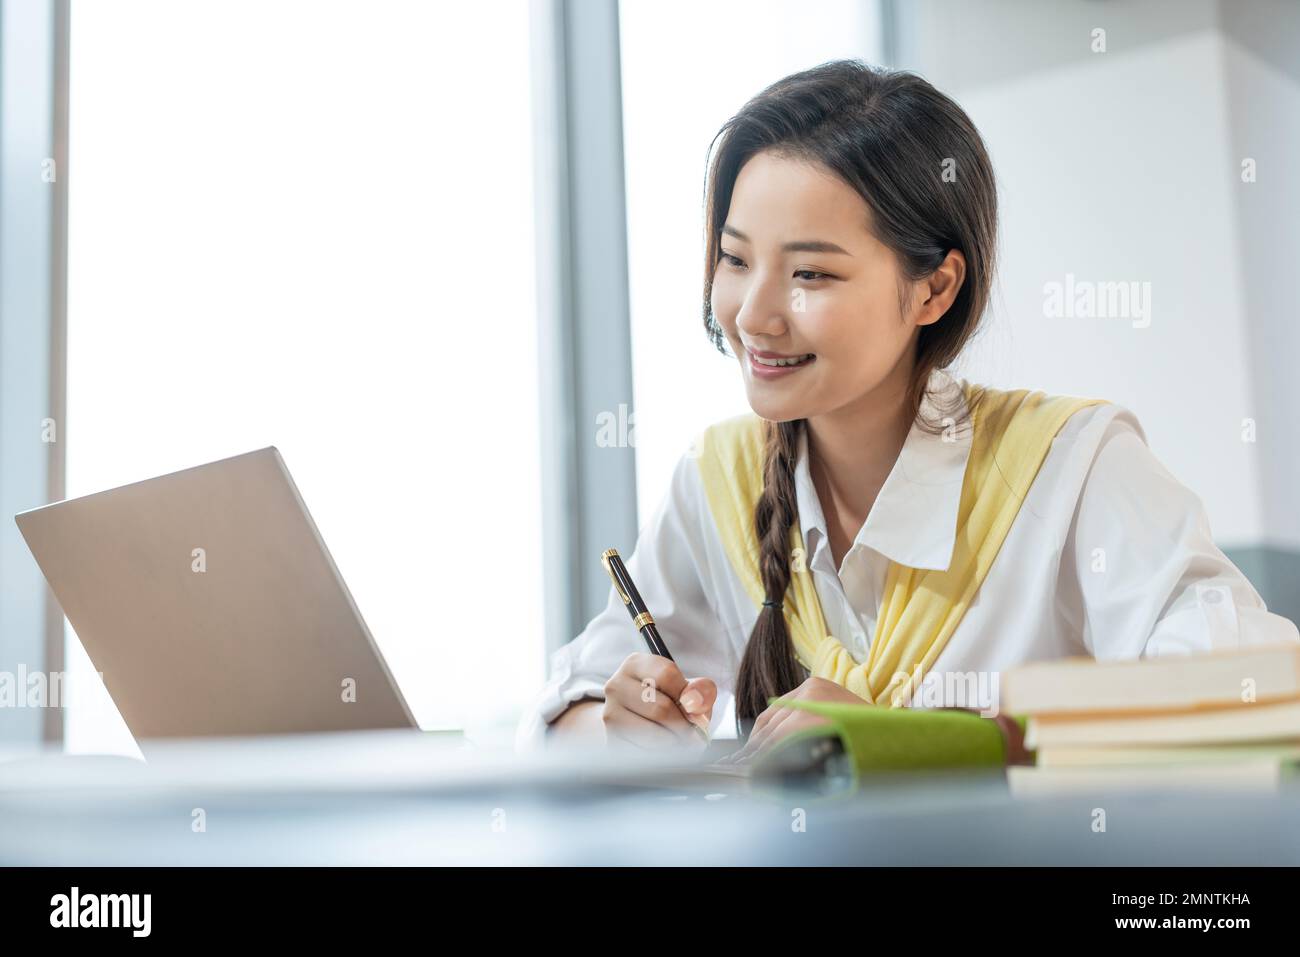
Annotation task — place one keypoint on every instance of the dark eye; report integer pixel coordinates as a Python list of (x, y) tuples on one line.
[(810, 275), (731, 260)]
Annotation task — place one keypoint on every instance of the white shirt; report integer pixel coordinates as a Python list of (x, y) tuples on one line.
[(1110, 556)]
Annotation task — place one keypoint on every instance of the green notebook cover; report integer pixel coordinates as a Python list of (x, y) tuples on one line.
[(872, 738)]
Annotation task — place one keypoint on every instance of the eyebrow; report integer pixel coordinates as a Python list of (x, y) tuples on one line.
[(801, 246)]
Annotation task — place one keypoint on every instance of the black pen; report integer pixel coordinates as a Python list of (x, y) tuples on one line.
[(641, 617)]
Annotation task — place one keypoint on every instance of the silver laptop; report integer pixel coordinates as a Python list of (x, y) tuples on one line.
[(211, 606)]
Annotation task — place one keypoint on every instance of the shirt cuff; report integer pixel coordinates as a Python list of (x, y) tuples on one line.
[(552, 702)]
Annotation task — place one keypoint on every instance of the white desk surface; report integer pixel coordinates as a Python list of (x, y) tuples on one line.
[(405, 798)]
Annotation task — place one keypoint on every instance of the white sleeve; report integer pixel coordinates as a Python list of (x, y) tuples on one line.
[(670, 569), (1147, 578)]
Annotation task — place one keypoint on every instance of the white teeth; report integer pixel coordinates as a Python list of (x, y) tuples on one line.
[(781, 362)]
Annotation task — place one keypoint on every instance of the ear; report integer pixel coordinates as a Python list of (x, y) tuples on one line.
[(940, 288)]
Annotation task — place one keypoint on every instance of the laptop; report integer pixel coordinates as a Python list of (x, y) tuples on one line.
[(210, 604)]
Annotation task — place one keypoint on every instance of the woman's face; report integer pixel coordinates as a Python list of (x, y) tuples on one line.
[(801, 279)]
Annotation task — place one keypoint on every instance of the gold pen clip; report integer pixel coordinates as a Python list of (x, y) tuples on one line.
[(604, 560)]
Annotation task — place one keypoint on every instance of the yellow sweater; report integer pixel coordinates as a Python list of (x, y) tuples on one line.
[(921, 608)]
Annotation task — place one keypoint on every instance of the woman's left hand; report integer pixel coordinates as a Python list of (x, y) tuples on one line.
[(779, 722)]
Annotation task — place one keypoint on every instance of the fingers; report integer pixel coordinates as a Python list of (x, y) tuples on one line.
[(648, 689), (778, 721), (761, 722), (772, 720), (652, 671), (699, 696), (793, 721), (781, 726), (636, 702)]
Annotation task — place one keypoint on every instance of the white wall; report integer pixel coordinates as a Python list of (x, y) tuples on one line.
[(1123, 174), (1262, 58), (1125, 165)]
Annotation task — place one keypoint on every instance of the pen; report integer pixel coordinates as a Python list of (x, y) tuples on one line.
[(641, 616)]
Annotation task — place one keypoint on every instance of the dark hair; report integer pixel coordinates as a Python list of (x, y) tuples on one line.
[(891, 136)]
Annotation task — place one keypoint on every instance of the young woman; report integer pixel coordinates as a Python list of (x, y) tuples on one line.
[(880, 531)]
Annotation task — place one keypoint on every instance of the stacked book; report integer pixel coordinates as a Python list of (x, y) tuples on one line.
[(1223, 720)]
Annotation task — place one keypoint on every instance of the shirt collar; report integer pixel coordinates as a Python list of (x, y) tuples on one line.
[(914, 519)]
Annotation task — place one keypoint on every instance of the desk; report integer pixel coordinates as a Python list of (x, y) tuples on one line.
[(402, 798)]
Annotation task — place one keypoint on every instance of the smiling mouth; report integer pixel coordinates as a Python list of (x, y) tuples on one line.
[(780, 362)]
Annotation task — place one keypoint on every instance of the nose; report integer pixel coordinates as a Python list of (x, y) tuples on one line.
[(763, 310)]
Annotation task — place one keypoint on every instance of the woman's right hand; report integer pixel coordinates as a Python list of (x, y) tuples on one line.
[(644, 701)]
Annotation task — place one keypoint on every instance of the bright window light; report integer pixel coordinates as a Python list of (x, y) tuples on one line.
[(310, 225)]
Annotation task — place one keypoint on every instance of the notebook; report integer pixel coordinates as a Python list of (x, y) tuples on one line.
[(856, 740)]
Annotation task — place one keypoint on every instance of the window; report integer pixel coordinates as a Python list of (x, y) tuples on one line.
[(310, 225)]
